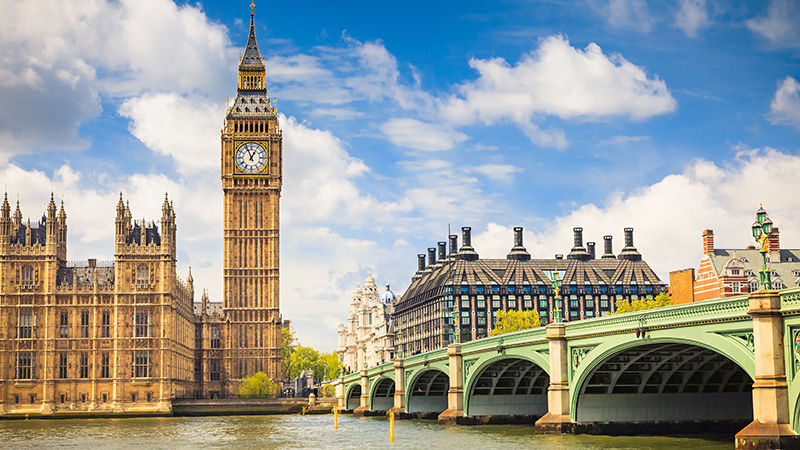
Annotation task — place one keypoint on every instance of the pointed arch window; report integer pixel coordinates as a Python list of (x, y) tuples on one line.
[(142, 275), (27, 275)]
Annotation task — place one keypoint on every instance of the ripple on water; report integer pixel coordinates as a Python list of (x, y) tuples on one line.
[(308, 432)]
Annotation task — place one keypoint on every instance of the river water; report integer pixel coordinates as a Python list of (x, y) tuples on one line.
[(308, 432)]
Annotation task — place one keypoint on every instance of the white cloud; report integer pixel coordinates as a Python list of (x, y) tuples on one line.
[(780, 25), (58, 59), (558, 80), (186, 129), (497, 172), (704, 195), (628, 14), (358, 71), (785, 106), (319, 180), (412, 133), (692, 17)]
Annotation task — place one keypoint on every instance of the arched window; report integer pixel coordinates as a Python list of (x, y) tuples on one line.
[(142, 275), (27, 275)]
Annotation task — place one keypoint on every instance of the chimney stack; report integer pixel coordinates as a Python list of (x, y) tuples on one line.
[(453, 244), (442, 251), (629, 252), (518, 252), (608, 252), (590, 248), (559, 256), (431, 256), (708, 242), (467, 252), (774, 245), (420, 262), (578, 251)]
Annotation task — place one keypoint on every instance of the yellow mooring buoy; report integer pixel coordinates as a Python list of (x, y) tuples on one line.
[(304, 411), (335, 418), (391, 426)]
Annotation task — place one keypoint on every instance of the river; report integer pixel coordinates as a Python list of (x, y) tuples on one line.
[(308, 432)]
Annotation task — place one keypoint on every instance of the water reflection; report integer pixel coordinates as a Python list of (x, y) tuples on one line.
[(307, 432)]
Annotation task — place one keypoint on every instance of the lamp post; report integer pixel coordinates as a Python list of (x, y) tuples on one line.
[(399, 345), (557, 298), (365, 355), (762, 228), (456, 328)]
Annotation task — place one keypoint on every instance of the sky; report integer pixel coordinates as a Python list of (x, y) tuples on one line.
[(401, 119)]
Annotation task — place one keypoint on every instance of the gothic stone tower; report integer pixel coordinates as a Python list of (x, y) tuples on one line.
[(251, 181)]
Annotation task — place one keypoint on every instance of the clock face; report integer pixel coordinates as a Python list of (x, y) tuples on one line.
[(251, 157)]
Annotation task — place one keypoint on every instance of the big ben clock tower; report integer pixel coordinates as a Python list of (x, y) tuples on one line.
[(251, 182)]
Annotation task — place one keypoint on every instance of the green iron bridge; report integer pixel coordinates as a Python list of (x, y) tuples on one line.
[(731, 362)]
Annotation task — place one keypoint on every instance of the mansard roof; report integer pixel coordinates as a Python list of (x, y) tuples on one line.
[(750, 259), (531, 272)]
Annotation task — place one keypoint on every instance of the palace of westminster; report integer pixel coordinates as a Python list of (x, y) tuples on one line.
[(125, 336)]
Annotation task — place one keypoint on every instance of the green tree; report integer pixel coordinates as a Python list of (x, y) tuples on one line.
[(288, 345), (258, 385), (304, 358), (660, 300), (328, 366), (514, 320)]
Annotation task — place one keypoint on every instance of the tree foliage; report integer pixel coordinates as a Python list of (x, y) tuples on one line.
[(514, 320), (288, 345), (660, 300), (297, 358), (324, 365), (258, 385)]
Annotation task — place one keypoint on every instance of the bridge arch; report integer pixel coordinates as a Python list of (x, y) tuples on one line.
[(353, 397), (507, 385), (427, 391), (665, 379), (382, 396)]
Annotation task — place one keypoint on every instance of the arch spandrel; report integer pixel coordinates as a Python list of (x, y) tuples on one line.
[(710, 340)]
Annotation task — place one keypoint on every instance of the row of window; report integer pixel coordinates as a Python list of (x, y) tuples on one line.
[(543, 289), (26, 324), (141, 365)]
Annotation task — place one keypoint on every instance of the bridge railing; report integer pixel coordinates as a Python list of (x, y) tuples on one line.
[(790, 300), (721, 309)]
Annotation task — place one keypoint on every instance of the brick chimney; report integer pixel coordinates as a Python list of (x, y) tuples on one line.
[(774, 244), (708, 242)]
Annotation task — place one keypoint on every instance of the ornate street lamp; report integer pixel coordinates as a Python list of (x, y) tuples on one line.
[(557, 298), (399, 345), (365, 356), (762, 228), (456, 328)]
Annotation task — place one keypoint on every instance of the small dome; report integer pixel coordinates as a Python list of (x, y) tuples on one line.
[(388, 296)]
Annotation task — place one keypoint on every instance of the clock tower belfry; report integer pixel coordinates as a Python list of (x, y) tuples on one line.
[(251, 181)]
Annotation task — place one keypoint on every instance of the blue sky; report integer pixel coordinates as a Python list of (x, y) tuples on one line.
[(400, 119)]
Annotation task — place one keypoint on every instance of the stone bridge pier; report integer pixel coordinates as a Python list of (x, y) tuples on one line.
[(770, 427)]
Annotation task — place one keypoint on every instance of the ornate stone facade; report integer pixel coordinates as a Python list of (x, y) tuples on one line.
[(368, 337), (93, 336)]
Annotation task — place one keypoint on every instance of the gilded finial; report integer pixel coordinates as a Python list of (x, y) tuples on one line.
[(252, 7)]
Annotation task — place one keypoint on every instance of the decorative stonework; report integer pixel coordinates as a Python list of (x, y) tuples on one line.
[(468, 363), (744, 338), (795, 333), (576, 356)]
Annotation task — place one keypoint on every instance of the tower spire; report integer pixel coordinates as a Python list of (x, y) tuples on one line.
[(252, 57)]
